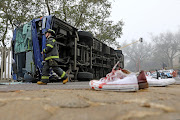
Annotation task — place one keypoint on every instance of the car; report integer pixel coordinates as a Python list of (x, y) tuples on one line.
[(154, 75), (168, 73)]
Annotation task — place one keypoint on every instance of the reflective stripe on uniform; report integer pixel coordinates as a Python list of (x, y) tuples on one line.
[(44, 50), (44, 77), (54, 40), (49, 45), (51, 30), (51, 57), (63, 74)]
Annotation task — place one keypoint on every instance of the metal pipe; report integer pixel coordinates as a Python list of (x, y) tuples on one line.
[(5, 50), (2, 50), (75, 50), (91, 57), (8, 63)]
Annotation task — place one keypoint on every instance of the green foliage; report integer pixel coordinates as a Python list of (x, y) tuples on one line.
[(14, 13), (108, 32), (87, 15)]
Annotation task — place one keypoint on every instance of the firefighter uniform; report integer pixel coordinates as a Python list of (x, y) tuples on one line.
[(51, 59)]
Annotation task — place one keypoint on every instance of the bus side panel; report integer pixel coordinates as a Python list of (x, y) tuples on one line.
[(46, 24), (36, 48)]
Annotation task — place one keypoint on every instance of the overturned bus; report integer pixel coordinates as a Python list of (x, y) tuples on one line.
[(82, 56)]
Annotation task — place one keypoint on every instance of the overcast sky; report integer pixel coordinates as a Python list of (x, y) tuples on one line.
[(142, 17)]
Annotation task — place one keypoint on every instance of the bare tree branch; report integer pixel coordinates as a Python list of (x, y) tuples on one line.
[(47, 4)]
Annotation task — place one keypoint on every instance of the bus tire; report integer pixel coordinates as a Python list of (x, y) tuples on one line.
[(84, 76)]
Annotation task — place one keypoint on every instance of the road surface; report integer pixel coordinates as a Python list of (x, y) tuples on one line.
[(34, 86), (76, 101)]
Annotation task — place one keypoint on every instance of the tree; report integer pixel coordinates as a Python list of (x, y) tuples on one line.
[(167, 45), (47, 4), (14, 13), (87, 15), (4, 20), (137, 56)]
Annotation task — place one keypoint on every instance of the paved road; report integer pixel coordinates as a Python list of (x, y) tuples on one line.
[(34, 86), (154, 103), (177, 80)]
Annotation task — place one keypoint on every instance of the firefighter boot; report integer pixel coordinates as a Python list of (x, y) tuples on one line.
[(65, 81), (41, 83)]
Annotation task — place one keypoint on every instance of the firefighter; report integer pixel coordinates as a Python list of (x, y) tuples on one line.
[(51, 59)]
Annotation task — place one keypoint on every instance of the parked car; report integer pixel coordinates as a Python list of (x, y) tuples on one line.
[(154, 75), (168, 73)]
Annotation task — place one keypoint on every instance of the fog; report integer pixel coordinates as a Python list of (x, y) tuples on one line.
[(142, 17)]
